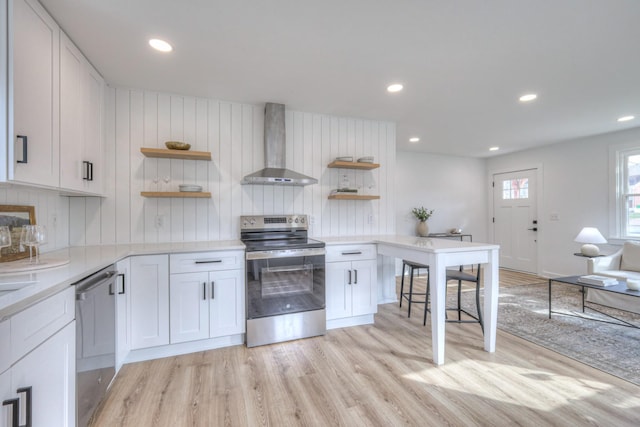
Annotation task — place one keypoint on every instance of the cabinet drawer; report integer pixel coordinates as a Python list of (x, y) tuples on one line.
[(5, 336), (34, 325), (350, 252), (206, 261)]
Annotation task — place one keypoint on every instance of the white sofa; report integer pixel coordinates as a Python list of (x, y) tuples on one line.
[(624, 264)]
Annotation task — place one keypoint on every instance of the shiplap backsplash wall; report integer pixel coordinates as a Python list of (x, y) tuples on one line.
[(233, 133), (51, 210)]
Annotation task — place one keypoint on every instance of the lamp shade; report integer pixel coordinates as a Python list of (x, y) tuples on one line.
[(590, 235)]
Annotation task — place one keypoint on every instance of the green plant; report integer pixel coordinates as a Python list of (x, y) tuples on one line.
[(422, 214)]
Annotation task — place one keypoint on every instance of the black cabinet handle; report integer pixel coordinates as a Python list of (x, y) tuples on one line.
[(349, 277), (204, 290), (111, 289), (355, 282), (533, 229), (211, 261), (15, 411), (213, 290), (352, 253), (27, 392), (88, 171), (121, 275), (25, 145)]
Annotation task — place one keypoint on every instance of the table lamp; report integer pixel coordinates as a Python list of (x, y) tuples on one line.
[(590, 236)]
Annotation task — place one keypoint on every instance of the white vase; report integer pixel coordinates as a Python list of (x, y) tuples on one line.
[(422, 229)]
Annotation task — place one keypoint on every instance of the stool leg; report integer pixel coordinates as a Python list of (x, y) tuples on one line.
[(459, 298), (478, 306), (402, 283), (410, 291), (426, 299)]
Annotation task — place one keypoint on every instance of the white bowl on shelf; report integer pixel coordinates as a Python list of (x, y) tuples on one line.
[(190, 188)]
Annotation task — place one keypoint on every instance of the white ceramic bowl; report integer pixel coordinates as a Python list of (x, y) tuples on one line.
[(634, 285)]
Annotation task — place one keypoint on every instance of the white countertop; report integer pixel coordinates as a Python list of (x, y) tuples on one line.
[(35, 285), (425, 244)]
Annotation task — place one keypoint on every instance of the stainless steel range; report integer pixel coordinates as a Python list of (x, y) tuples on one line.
[(285, 279)]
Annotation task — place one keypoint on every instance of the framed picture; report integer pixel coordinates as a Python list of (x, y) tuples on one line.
[(15, 217)]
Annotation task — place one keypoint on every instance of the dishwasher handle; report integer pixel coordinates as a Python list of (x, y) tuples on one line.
[(93, 282)]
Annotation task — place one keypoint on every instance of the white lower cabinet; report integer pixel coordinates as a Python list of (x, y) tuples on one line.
[(206, 304), (123, 305), (149, 298), (43, 380), (351, 284)]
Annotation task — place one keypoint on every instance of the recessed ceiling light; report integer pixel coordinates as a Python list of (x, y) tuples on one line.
[(414, 139), (528, 97), (396, 87), (160, 45), (494, 148), (626, 118)]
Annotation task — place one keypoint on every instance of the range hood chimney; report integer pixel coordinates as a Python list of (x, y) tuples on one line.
[(275, 172)]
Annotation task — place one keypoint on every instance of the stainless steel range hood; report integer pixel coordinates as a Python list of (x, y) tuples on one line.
[(275, 172)]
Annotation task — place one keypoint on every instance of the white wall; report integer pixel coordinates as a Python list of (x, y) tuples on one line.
[(575, 187), (234, 134), (51, 210), (454, 187)]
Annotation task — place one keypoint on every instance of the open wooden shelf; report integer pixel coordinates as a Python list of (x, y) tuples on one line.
[(179, 194), (163, 153), (352, 197), (353, 165)]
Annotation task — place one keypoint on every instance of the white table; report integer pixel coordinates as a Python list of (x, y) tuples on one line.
[(439, 254)]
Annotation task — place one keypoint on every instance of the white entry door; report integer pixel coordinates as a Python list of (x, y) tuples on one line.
[(515, 222)]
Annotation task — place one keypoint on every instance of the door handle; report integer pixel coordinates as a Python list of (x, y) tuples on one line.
[(121, 275), (213, 289), (533, 229), (204, 290), (25, 145), (15, 411), (355, 282), (27, 392), (349, 277)]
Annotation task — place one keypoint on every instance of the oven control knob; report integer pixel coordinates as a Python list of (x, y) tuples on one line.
[(302, 220), (290, 220), (296, 220), (253, 221)]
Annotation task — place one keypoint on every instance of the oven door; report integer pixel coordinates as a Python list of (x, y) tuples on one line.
[(285, 281)]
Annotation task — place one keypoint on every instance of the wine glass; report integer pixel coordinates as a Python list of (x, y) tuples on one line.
[(5, 237), (40, 237), (27, 239)]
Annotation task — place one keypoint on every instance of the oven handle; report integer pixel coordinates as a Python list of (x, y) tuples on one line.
[(285, 253)]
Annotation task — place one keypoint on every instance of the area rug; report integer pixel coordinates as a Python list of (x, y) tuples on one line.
[(523, 311)]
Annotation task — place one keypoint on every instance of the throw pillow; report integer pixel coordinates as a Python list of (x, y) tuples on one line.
[(630, 256)]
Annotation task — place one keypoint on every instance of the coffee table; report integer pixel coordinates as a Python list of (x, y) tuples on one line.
[(618, 288)]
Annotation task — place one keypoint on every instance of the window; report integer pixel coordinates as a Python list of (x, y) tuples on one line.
[(629, 193), (515, 189)]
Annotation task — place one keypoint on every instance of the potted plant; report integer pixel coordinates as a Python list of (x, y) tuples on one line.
[(422, 215)]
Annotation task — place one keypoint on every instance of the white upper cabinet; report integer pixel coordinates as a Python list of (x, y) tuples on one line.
[(81, 97), (55, 105), (33, 71)]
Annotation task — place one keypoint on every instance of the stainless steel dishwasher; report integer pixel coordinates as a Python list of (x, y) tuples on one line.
[(95, 340)]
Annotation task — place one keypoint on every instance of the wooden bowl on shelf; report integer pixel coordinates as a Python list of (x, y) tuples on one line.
[(177, 145)]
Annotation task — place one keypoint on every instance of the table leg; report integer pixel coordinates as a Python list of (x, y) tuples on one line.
[(491, 291), (583, 299), (438, 291)]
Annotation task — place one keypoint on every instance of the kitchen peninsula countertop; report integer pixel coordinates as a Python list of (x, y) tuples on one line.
[(32, 286)]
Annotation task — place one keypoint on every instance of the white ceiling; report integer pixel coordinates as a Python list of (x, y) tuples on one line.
[(463, 63)]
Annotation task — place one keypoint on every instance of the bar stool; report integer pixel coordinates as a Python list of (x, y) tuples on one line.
[(409, 295), (461, 276)]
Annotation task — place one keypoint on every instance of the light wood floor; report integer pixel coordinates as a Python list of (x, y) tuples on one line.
[(375, 375)]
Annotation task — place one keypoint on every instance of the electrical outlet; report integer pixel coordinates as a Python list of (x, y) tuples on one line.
[(312, 219), (159, 221), (370, 219), (54, 220)]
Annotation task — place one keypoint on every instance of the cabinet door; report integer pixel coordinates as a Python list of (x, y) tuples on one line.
[(123, 289), (5, 394), (364, 289), (189, 308), (71, 114), (93, 144), (34, 94), (227, 314), (50, 371), (149, 301), (338, 290)]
